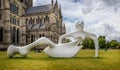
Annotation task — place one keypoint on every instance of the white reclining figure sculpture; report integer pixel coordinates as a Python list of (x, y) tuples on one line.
[(66, 50)]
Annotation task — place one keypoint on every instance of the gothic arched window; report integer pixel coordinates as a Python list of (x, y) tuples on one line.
[(18, 23), (44, 19), (36, 20), (18, 32), (21, 0), (14, 34), (30, 21), (32, 38), (1, 34), (11, 32), (43, 35), (47, 18), (40, 35), (0, 3), (26, 21), (26, 39), (33, 21), (40, 20)]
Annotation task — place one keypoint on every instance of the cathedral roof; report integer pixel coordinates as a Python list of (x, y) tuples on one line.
[(39, 9)]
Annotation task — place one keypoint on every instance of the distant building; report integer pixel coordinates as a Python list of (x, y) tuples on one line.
[(21, 23)]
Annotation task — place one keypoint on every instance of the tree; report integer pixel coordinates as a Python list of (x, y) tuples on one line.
[(114, 44), (102, 42), (88, 43), (107, 44), (118, 47)]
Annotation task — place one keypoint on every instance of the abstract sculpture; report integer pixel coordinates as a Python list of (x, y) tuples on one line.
[(66, 50)]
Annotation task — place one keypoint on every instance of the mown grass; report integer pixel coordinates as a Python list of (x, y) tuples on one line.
[(85, 60)]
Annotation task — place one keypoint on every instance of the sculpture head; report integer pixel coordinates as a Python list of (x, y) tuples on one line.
[(79, 25)]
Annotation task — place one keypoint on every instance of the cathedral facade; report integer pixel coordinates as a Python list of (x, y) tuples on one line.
[(21, 23)]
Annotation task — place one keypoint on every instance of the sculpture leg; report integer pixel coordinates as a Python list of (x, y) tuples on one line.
[(12, 50), (42, 40), (95, 40)]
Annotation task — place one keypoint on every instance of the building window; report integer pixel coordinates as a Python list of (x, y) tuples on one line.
[(11, 32), (30, 21), (46, 19), (21, 1), (18, 23), (0, 16), (14, 34), (36, 20), (14, 20), (17, 35), (10, 19), (1, 34), (39, 35), (0, 3), (33, 21), (40, 20), (43, 35), (26, 39), (26, 21), (32, 38), (13, 8)]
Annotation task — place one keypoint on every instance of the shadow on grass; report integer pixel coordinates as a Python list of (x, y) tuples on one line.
[(18, 58), (90, 58), (21, 58), (51, 58), (73, 58)]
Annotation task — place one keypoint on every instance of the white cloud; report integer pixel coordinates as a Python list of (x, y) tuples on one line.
[(101, 17)]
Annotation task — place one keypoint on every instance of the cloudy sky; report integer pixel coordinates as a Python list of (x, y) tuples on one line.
[(101, 17)]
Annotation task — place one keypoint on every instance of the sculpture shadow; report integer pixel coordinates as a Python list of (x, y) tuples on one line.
[(20, 58), (89, 58), (83, 58), (47, 58)]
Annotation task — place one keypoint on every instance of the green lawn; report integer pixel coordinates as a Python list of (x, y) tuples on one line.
[(85, 60)]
